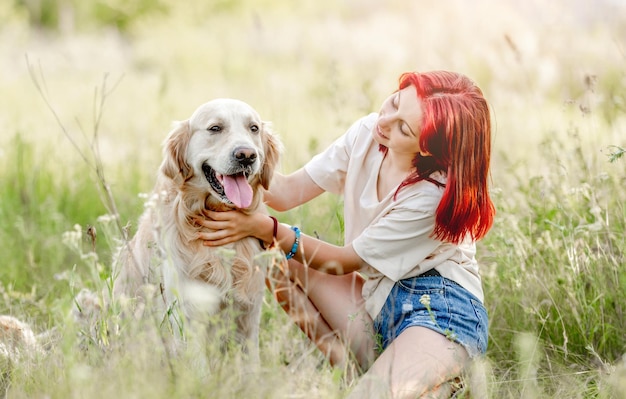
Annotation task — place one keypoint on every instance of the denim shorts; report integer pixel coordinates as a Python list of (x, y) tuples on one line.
[(436, 303)]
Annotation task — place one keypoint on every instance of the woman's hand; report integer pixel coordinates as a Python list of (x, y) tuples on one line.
[(226, 227)]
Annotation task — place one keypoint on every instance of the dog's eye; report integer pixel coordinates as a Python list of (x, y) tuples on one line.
[(254, 128), (215, 128)]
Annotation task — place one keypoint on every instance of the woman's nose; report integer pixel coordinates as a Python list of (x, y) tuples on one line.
[(384, 121)]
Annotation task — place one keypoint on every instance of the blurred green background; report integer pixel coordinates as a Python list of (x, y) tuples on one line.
[(94, 86)]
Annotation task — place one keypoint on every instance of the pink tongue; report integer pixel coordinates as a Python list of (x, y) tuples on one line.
[(238, 190)]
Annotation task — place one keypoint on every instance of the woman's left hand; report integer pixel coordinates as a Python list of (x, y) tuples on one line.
[(225, 227)]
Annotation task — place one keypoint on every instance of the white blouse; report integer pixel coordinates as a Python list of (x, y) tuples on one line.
[(393, 237)]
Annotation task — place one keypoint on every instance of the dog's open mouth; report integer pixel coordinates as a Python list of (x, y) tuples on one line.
[(232, 188)]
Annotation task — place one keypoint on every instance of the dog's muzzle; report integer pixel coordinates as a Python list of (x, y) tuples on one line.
[(232, 188)]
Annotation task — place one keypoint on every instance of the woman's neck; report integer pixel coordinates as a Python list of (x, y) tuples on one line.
[(399, 163), (392, 172)]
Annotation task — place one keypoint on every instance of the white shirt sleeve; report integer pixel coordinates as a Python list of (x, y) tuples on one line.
[(328, 169)]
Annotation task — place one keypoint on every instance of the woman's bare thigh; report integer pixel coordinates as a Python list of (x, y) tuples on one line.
[(418, 361), (340, 302)]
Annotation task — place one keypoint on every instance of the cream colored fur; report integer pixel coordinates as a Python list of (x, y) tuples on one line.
[(165, 250), (16, 337)]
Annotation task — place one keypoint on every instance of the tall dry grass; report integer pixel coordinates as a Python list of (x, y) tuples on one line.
[(553, 264)]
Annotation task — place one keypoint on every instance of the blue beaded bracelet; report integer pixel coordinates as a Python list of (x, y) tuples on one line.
[(294, 247)]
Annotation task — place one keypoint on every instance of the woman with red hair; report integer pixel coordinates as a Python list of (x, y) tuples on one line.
[(403, 295)]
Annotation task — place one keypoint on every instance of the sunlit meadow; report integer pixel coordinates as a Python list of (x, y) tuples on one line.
[(89, 91)]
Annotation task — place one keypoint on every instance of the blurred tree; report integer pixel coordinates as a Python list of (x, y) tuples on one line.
[(121, 13), (41, 13), (68, 15)]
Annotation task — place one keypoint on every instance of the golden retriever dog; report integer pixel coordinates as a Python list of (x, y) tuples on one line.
[(218, 159)]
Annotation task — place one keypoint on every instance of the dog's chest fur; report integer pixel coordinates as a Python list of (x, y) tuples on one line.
[(232, 268)]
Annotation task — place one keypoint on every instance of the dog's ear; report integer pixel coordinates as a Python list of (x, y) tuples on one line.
[(174, 163), (272, 148)]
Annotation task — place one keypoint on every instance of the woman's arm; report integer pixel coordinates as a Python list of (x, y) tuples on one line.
[(288, 191), (285, 192), (319, 255)]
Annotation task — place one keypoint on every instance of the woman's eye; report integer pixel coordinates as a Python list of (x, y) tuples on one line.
[(404, 129), (254, 128), (215, 128)]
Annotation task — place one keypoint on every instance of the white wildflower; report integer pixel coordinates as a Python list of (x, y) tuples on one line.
[(89, 256), (152, 200), (106, 219), (200, 298), (73, 238), (425, 300)]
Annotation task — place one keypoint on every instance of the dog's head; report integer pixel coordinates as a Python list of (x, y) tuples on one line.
[(224, 151)]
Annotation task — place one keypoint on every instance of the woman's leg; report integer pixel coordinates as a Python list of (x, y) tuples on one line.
[(306, 316), (328, 308), (418, 363)]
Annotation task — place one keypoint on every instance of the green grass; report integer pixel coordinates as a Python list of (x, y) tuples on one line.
[(553, 265), (558, 259)]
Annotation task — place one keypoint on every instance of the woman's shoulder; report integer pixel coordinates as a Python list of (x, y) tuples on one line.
[(369, 120), (358, 138), (363, 126)]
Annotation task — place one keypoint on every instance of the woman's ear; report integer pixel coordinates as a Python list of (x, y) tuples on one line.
[(272, 147), (174, 163)]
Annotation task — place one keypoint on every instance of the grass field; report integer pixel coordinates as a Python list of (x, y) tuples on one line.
[(84, 98)]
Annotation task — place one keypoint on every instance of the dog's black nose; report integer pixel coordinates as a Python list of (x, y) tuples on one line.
[(245, 155)]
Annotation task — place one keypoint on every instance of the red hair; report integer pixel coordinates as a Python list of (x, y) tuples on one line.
[(456, 133)]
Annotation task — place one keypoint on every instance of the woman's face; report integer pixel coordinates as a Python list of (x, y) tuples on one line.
[(399, 122)]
